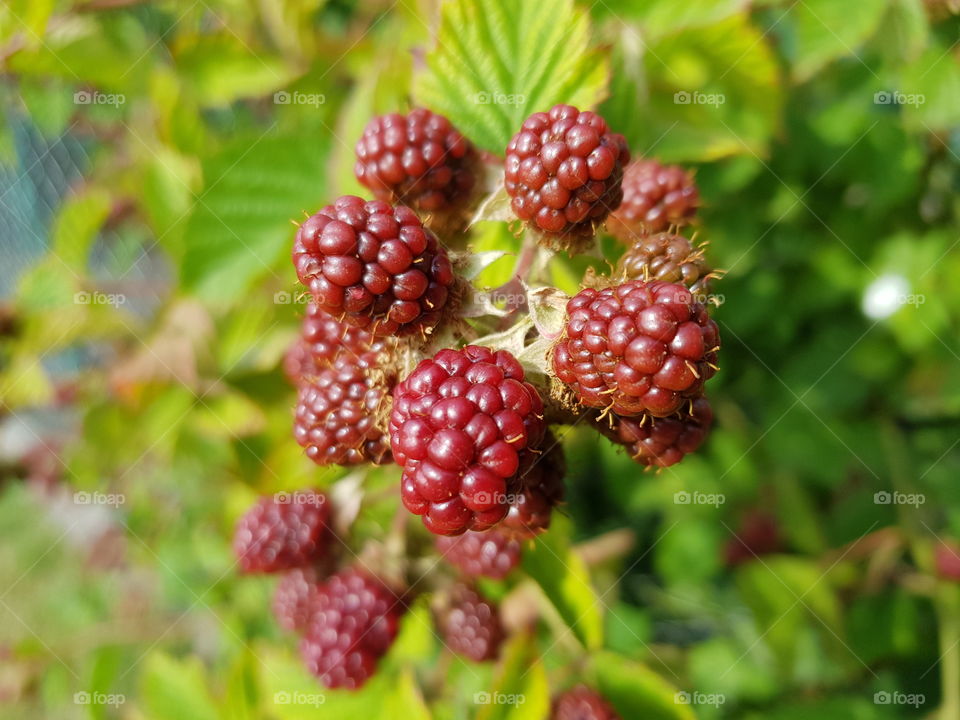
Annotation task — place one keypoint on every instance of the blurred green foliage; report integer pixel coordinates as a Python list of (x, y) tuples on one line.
[(157, 151)]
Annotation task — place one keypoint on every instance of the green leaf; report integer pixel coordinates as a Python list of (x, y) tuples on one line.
[(662, 17), (406, 701), (498, 61), (77, 225), (520, 691), (240, 228), (930, 87), (826, 30), (563, 577), (176, 688), (636, 691)]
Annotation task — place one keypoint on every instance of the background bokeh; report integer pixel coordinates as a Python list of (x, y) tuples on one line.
[(152, 155)]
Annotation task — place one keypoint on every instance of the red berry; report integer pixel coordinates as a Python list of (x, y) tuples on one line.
[(640, 347), (338, 416), (667, 258), (354, 622), (492, 554), (582, 703), (563, 172), (283, 531), (758, 534), (294, 598), (655, 197), (662, 442), (542, 490), (374, 265), (461, 425), (418, 159), (322, 340), (471, 625), (947, 557)]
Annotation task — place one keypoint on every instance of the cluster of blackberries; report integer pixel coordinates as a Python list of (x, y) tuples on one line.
[(467, 425)]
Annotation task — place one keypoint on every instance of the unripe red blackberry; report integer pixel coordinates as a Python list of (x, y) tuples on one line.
[(491, 554), (418, 159), (563, 173), (582, 703), (470, 625), (462, 425), (757, 534), (640, 347), (322, 340), (542, 490), (374, 266), (340, 416), (665, 257), (294, 598), (354, 622), (283, 531), (655, 197), (662, 442), (947, 560)]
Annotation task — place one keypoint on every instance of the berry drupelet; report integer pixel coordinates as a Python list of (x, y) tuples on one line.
[(655, 197), (462, 425), (639, 347), (563, 173), (283, 531), (374, 266), (662, 442)]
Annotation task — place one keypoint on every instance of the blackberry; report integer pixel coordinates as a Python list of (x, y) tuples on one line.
[(491, 554), (947, 560), (338, 415), (322, 340), (665, 257), (563, 173), (470, 625), (757, 534), (640, 347), (655, 197), (374, 265), (542, 490), (582, 703), (283, 531), (418, 159), (462, 424), (662, 442), (294, 598), (354, 622)]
